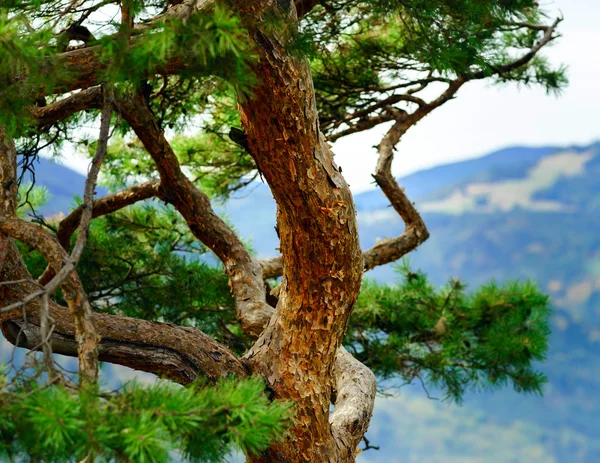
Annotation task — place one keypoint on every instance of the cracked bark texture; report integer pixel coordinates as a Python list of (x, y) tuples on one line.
[(298, 351), (322, 260)]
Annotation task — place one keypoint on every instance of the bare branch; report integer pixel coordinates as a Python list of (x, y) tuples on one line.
[(527, 57), (107, 205), (64, 265), (355, 386), (66, 277), (100, 207)]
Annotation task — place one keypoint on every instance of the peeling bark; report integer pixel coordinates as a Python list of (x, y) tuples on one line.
[(319, 241)]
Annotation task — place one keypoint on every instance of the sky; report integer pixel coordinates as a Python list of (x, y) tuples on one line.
[(485, 118)]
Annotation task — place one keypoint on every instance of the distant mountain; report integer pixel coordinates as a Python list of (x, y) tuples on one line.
[(518, 213), (507, 162), (62, 183)]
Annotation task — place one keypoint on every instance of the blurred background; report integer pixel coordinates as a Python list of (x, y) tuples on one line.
[(508, 184)]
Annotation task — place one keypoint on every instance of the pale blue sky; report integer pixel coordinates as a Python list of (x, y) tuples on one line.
[(483, 118)]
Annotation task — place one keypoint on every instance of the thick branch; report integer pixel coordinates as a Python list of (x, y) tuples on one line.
[(243, 271), (181, 354), (355, 386), (65, 108), (318, 234)]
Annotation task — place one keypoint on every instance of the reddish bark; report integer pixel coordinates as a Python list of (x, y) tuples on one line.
[(319, 242)]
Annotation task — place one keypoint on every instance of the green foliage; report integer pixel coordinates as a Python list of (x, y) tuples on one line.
[(143, 262), (31, 198), (21, 56), (209, 43), (364, 50), (215, 164), (451, 339), (138, 424)]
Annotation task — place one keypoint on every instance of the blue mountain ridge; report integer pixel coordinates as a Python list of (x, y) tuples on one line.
[(559, 249), (62, 183)]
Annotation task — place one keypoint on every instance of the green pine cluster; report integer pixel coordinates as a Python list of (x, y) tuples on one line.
[(363, 51), (451, 339), (152, 424)]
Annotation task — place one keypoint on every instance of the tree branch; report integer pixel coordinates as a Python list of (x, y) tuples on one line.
[(355, 386), (65, 108), (366, 119), (527, 57), (54, 254), (415, 233), (67, 278), (245, 274), (181, 354), (107, 205)]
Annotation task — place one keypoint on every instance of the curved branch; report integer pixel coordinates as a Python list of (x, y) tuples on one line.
[(355, 386), (243, 271), (65, 108), (366, 118), (107, 205), (415, 233), (527, 57), (63, 266), (245, 274)]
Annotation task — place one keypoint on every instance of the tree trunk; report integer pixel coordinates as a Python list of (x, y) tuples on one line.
[(322, 258)]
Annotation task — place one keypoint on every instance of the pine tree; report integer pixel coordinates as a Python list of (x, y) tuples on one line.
[(196, 99)]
